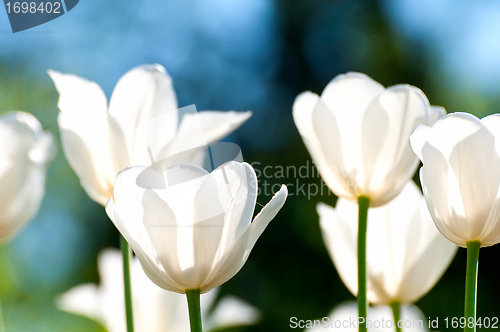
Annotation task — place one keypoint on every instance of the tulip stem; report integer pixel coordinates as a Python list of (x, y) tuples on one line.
[(471, 285), (126, 256), (363, 204), (396, 313), (193, 298), (2, 323)]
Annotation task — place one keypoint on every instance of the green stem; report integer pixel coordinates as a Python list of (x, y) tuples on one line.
[(126, 256), (364, 204), (193, 298), (396, 313), (471, 284), (2, 323)]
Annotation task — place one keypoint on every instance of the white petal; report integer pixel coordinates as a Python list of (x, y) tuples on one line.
[(238, 185), (335, 170), (340, 237), (217, 125), (401, 242), (24, 152), (126, 212), (490, 234), (303, 108), (451, 129), (82, 300), (231, 312), (197, 130), (492, 122), (441, 190), (144, 106), (348, 97), (241, 250), (83, 122), (435, 113), (388, 161), (418, 138), (351, 94), (475, 163)]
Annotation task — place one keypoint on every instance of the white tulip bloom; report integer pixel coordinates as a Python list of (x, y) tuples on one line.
[(142, 121), (380, 319), (357, 134), (461, 176), (155, 309), (406, 255), (197, 232), (25, 150)]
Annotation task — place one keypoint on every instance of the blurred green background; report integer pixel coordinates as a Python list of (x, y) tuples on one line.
[(243, 55)]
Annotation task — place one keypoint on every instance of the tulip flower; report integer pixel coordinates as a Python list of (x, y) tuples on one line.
[(197, 232), (156, 310), (357, 134), (461, 179), (24, 153), (140, 125), (406, 253), (344, 318), (99, 141)]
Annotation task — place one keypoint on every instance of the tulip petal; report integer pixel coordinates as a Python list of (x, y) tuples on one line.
[(126, 212), (83, 300), (144, 252), (435, 113), (25, 150), (418, 138), (217, 125), (431, 264), (238, 191), (303, 108), (453, 128), (401, 238), (83, 122), (387, 158), (238, 255), (232, 312), (440, 189), (478, 177), (350, 94), (199, 129), (187, 142), (340, 237), (334, 170), (348, 97), (161, 225), (144, 106), (492, 122), (490, 234)]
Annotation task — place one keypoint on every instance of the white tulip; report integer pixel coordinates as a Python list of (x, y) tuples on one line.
[(197, 232), (99, 141), (155, 309), (406, 255), (24, 151), (380, 317), (357, 134), (461, 176)]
